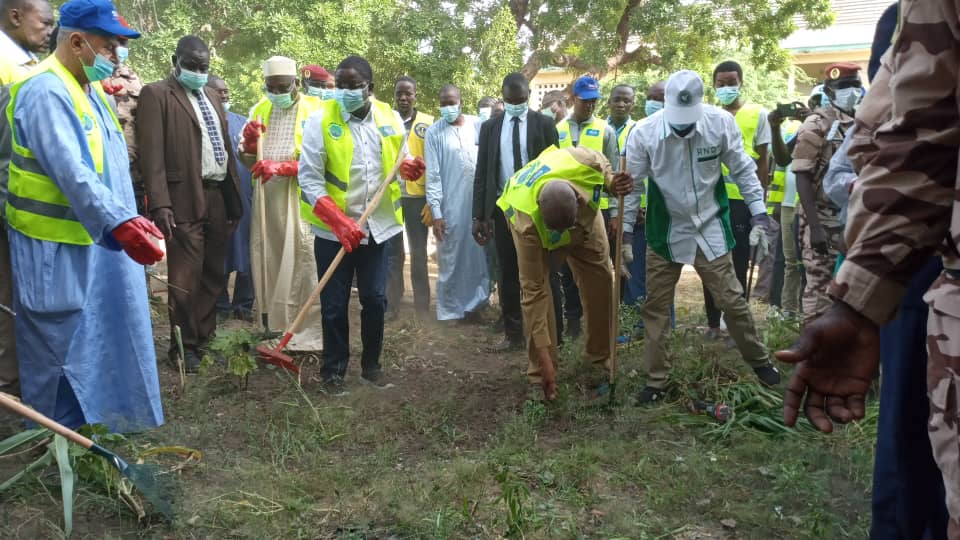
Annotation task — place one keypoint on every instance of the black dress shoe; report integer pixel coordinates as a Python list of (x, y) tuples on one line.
[(506, 345), (191, 362)]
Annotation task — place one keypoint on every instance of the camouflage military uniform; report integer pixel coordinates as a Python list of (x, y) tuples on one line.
[(905, 207), (125, 87), (817, 139)]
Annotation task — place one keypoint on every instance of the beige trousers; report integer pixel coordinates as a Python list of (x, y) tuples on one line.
[(719, 278)]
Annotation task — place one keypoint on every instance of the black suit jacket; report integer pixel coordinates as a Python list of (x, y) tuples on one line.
[(541, 134)]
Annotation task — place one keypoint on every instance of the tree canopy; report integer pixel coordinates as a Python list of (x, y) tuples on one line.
[(473, 44)]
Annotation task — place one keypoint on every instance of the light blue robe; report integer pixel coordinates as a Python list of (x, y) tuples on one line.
[(451, 155), (84, 337)]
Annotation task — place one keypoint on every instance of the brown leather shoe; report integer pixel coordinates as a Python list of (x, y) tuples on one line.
[(506, 345)]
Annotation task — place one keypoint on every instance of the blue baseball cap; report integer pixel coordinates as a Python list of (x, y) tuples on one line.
[(98, 16), (586, 87)]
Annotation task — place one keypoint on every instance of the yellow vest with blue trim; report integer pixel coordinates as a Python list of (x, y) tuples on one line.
[(306, 105), (747, 119), (624, 131), (339, 147), (779, 183), (522, 190), (415, 144), (36, 207), (591, 136)]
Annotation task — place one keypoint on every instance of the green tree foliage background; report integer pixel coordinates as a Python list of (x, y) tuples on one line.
[(470, 43)]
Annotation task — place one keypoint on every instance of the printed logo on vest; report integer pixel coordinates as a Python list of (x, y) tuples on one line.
[(563, 135), (593, 132), (336, 131), (88, 124), (387, 131), (420, 130), (596, 193)]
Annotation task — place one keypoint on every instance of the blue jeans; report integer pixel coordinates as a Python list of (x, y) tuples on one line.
[(908, 495), (369, 264), (635, 290)]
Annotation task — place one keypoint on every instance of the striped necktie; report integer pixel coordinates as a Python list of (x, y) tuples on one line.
[(219, 153)]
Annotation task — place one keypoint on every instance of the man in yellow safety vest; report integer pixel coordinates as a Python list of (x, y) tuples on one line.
[(752, 121), (553, 206), (349, 146)]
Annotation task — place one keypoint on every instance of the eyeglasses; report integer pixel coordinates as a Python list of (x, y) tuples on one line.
[(850, 83)]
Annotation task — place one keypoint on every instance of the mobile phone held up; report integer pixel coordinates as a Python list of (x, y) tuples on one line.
[(787, 110)]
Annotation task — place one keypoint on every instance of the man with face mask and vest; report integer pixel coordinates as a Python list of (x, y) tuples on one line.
[(582, 129), (752, 121), (316, 82), (283, 264), (681, 150), (193, 191), (553, 208), (84, 333), (821, 231), (349, 147)]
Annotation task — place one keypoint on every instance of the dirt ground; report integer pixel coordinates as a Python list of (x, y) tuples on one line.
[(462, 448)]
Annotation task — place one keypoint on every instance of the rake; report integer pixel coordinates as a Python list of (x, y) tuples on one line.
[(275, 355)]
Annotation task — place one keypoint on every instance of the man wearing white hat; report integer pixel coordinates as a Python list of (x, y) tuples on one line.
[(283, 266), (681, 150)]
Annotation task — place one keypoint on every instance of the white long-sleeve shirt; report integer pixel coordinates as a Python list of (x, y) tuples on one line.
[(683, 204), (366, 174)]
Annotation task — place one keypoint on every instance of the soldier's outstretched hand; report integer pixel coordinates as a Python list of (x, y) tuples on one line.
[(836, 356)]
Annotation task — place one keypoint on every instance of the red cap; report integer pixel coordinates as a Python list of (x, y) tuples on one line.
[(840, 70), (315, 72)]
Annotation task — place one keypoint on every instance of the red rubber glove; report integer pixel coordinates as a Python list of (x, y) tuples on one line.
[(412, 169), (346, 229), (250, 136), (266, 169), (134, 237)]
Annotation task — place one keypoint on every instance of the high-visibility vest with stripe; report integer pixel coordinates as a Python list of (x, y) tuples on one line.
[(591, 136), (339, 146), (747, 119), (306, 105), (415, 144), (522, 190), (779, 183), (36, 207), (624, 131)]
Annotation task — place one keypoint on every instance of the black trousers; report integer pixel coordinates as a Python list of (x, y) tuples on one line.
[(509, 283), (740, 221)]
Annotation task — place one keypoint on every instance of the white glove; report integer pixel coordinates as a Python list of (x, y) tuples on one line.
[(627, 253), (759, 239)]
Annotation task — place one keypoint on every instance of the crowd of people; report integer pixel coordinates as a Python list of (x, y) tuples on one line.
[(841, 203)]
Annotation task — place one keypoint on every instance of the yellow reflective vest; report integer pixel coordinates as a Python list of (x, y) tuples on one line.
[(36, 207), (591, 135), (747, 119), (522, 190), (339, 146), (306, 105), (415, 144), (779, 183), (624, 131)]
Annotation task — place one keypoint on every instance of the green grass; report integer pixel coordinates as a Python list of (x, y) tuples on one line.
[(460, 451)]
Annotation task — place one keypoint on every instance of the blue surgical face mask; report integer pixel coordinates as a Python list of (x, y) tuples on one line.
[(101, 69), (122, 54), (652, 107), (284, 101), (192, 80), (450, 113), (515, 110), (315, 91), (728, 94), (349, 100), (327, 93), (226, 106), (484, 113), (681, 128), (549, 114)]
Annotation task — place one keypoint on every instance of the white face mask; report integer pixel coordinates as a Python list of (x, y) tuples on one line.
[(846, 99)]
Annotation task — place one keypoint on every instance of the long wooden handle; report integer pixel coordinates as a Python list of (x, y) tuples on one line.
[(14, 405), (374, 203), (262, 224), (618, 263)]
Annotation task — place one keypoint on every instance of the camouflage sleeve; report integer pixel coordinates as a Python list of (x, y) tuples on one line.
[(872, 113), (901, 210), (809, 141)]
